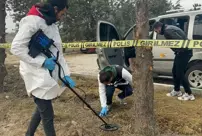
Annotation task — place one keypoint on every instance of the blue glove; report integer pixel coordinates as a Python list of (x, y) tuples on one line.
[(103, 111), (69, 81), (50, 63)]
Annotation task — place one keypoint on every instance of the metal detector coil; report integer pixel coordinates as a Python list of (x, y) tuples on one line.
[(109, 127)]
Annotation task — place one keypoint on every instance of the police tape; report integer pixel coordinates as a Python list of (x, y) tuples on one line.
[(191, 44)]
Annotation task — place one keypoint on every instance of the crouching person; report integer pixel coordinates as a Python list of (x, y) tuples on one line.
[(110, 78)]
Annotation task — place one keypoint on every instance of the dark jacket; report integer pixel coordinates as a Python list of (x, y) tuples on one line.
[(175, 33)]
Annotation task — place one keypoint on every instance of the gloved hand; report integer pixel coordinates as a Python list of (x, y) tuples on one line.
[(104, 111), (69, 81), (50, 63)]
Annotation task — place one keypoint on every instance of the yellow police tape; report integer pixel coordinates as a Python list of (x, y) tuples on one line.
[(191, 44)]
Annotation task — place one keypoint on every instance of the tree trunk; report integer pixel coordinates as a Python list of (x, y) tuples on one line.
[(2, 40), (143, 119)]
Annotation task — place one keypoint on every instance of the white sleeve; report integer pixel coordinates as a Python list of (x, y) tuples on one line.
[(62, 60), (102, 93), (28, 27), (64, 65), (127, 76)]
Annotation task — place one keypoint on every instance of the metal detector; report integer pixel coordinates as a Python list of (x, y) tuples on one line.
[(105, 126), (40, 43)]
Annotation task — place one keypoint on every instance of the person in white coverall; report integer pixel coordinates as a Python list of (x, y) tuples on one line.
[(35, 71)]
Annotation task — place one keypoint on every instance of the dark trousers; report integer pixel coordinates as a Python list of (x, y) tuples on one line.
[(44, 112), (126, 91), (179, 69)]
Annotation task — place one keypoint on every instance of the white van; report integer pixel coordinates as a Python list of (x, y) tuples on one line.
[(189, 21)]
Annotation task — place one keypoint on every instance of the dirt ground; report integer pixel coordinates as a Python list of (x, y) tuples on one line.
[(84, 64), (174, 118)]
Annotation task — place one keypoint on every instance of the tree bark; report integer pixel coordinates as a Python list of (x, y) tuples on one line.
[(143, 119), (3, 71)]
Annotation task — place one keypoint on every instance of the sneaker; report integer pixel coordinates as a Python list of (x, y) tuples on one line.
[(121, 100), (174, 93), (186, 97)]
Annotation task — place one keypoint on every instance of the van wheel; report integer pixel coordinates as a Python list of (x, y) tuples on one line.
[(194, 76)]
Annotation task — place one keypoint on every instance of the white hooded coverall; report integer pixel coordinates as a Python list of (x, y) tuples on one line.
[(38, 81)]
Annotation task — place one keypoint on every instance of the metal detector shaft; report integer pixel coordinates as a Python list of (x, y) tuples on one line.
[(59, 66)]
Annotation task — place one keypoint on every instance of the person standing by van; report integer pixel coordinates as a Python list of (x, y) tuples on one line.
[(129, 54), (182, 57)]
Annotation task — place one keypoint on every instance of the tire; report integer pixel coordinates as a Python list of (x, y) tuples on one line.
[(91, 51), (88, 51), (194, 76), (83, 51)]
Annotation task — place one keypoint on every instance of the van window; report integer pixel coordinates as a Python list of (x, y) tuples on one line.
[(108, 32), (181, 22), (130, 35), (197, 31)]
